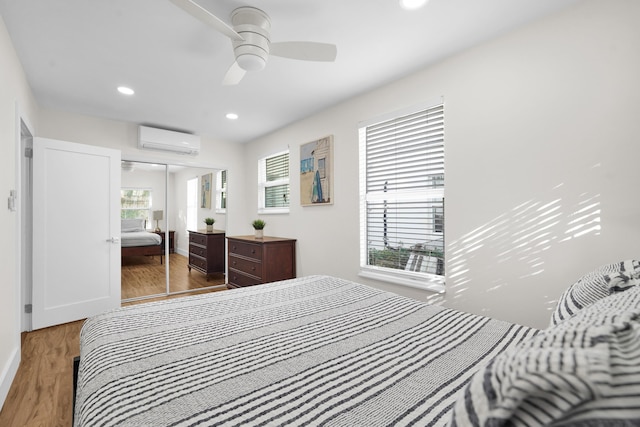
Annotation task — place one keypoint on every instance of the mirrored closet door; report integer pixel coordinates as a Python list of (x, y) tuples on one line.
[(161, 205), (196, 194)]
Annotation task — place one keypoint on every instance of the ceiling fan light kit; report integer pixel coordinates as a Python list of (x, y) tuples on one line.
[(251, 40), (253, 26)]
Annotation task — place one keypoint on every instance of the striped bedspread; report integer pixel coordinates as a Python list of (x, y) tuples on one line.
[(139, 238), (315, 350)]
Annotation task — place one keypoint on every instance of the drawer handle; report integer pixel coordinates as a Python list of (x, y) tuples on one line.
[(234, 248), (253, 269), (235, 262), (253, 251)]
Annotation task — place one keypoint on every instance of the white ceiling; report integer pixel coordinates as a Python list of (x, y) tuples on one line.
[(76, 52)]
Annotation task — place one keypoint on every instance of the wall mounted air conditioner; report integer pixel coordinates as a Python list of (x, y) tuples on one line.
[(166, 140)]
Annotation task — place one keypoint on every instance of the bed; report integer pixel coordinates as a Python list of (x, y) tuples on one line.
[(321, 350), (135, 240)]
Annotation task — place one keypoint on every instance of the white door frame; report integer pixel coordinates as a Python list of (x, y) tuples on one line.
[(24, 139), (25, 226)]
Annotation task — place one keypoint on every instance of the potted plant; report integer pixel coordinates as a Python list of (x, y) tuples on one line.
[(209, 222), (258, 226)]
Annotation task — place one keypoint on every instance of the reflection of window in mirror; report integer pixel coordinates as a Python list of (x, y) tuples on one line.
[(221, 192), (192, 204), (135, 203)]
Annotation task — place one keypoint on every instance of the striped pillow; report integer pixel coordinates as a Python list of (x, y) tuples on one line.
[(622, 281), (584, 371), (590, 288)]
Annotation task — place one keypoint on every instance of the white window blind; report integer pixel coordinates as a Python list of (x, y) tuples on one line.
[(402, 198), (273, 182), (221, 191)]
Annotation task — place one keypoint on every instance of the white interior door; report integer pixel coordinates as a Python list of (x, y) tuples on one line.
[(76, 231)]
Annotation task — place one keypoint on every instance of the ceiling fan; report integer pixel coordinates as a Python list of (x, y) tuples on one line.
[(250, 37)]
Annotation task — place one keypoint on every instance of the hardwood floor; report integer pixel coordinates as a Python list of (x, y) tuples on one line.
[(42, 391), (144, 275), (41, 394)]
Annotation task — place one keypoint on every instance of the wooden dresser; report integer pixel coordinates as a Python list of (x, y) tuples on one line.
[(206, 251), (255, 261)]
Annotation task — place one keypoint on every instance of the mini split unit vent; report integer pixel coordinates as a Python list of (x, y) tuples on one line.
[(167, 140)]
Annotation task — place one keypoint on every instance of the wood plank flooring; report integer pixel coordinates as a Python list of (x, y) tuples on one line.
[(42, 391), (41, 394), (144, 275)]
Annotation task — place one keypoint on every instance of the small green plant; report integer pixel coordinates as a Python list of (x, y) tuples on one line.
[(258, 224), (209, 221)]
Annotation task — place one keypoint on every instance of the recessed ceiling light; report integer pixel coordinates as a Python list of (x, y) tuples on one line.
[(232, 116), (412, 4), (125, 90)]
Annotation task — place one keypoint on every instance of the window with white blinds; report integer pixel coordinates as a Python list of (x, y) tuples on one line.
[(221, 191), (135, 203), (402, 198), (273, 183)]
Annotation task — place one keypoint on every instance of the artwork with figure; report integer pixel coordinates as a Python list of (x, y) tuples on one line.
[(316, 172), (205, 191)]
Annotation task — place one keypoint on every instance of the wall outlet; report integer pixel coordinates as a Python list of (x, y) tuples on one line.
[(11, 205)]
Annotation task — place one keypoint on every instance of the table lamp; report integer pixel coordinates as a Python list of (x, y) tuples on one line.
[(157, 215)]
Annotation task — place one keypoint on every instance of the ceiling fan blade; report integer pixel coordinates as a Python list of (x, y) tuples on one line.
[(306, 51), (234, 75), (208, 18)]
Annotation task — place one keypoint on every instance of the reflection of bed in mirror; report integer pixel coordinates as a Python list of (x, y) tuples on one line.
[(137, 241)]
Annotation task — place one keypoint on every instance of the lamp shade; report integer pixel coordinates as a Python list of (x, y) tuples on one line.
[(157, 215)]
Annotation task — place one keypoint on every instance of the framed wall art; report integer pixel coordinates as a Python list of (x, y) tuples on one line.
[(205, 191), (316, 172)]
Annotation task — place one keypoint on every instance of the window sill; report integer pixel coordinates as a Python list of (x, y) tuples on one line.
[(268, 211), (433, 285)]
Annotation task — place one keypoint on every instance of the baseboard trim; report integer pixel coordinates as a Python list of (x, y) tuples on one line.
[(183, 252), (8, 374)]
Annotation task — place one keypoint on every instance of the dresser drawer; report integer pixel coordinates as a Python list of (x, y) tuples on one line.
[(239, 280), (253, 261), (207, 251), (246, 266), (198, 250), (245, 249), (200, 239), (197, 262)]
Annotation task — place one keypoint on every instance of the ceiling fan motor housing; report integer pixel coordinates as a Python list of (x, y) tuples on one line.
[(253, 25)]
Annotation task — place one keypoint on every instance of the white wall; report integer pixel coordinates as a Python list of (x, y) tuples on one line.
[(16, 100), (541, 145)]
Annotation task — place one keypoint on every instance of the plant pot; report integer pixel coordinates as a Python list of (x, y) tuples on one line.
[(209, 227), (259, 234)]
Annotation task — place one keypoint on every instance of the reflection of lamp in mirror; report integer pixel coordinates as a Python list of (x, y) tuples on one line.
[(157, 215)]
